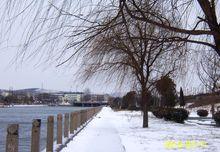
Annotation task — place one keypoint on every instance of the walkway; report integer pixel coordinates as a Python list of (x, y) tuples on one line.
[(122, 131), (99, 135)]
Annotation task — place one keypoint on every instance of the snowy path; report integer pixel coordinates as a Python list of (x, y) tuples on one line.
[(122, 131), (99, 135)]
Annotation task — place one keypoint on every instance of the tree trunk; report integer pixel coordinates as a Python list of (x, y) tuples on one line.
[(209, 9), (212, 110), (145, 116), (144, 98)]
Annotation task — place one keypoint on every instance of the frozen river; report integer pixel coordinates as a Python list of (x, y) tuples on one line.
[(24, 116)]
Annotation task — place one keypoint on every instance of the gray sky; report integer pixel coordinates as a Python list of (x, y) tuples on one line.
[(32, 73), (48, 77), (28, 75)]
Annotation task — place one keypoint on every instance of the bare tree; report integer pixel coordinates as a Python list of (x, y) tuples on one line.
[(60, 29), (209, 71), (130, 51), (67, 23), (105, 34), (158, 12)]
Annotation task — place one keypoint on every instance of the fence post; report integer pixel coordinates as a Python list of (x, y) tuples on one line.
[(86, 115), (83, 115), (71, 123), (12, 138), (66, 125), (74, 121), (35, 135), (93, 111), (90, 113), (78, 118), (59, 128), (50, 127)]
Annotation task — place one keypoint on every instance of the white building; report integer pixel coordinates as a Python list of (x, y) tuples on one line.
[(72, 97), (5, 93)]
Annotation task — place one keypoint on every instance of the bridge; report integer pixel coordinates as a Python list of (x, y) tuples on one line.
[(84, 104), (89, 104)]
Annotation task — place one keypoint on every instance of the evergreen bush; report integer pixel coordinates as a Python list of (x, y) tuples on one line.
[(217, 118), (171, 114), (202, 113), (179, 115)]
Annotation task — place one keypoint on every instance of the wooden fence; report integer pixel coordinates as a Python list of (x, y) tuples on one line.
[(66, 124)]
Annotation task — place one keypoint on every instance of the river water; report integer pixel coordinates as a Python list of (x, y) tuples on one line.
[(23, 115)]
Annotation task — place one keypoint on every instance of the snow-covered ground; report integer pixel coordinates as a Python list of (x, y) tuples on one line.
[(206, 107), (195, 119), (122, 131), (25, 105)]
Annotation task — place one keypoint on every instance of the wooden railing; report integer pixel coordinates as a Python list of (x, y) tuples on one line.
[(68, 125)]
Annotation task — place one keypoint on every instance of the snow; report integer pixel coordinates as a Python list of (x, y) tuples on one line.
[(206, 107), (99, 136), (194, 114), (24, 105), (195, 119), (122, 131)]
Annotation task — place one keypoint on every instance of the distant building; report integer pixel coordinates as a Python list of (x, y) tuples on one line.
[(101, 98), (2, 105), (72, 97), (46, 98), (5, 93), (1, 99)]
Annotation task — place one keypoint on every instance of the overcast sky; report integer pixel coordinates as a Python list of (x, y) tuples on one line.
[(29, 75), (32, 73), (19, 76)]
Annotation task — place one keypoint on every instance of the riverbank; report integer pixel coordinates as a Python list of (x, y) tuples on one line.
[(122, 131), (24, 116), (23, 105), (31, 105)]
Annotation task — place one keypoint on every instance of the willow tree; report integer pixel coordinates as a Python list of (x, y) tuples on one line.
[(66, 23), (132, 52), (208, 71), (199, 18), (103, 36)]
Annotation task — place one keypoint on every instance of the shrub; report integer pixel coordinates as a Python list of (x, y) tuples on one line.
[(168, 113), (129, 101), (202, 113), (217, 118), (179, 115), (167, 89), (171, 114), (158, 112), (181, 99), (133, 107)]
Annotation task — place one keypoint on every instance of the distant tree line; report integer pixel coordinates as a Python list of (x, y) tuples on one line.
[(165, 96), (42, 98), (15, 99)]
